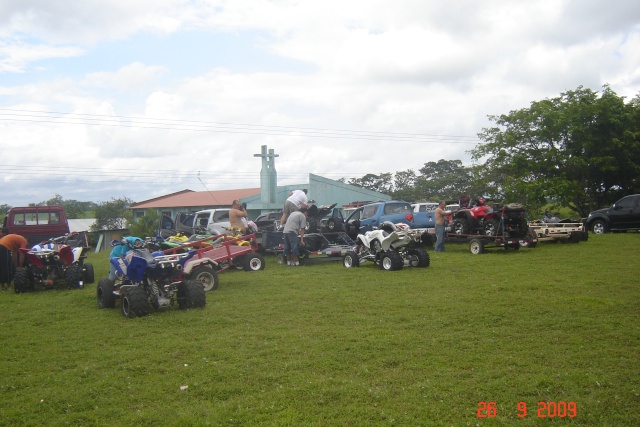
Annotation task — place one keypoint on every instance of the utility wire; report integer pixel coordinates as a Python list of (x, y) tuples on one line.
[(7, 114)]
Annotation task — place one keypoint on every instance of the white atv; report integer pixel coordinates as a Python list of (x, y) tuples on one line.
[(391, 246)]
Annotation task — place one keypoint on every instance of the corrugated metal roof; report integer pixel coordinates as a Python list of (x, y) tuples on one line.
[(187, 198)]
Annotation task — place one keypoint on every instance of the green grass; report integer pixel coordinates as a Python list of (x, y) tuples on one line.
[(321, 345)]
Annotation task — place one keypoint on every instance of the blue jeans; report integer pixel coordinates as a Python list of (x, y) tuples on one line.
[(291, 244), (439, 238)]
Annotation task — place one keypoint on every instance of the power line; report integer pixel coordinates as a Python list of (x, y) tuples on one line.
[(16, 115)]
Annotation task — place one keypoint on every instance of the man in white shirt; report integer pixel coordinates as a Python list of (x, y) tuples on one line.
[(294, 202)]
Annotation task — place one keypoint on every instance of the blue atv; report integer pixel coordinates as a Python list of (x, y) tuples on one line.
[(149, 279)]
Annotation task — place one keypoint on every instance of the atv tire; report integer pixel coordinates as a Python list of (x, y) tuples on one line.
[(351, 259), (391, 260), (206, 275), (134, 303), (191, 295), (89, 276), (460, 226), (418, 257), (492, 228), (73, 276), (21, 282), (104, 294), (253, 262)]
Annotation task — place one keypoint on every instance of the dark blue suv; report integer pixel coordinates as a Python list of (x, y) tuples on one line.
[(623, 215)]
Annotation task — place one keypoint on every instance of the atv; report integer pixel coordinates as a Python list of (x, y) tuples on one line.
[(497, 220), (391, 247), (57, 263), (149, 279)]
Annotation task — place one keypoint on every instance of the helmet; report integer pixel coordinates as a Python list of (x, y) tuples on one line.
[(481, 201)]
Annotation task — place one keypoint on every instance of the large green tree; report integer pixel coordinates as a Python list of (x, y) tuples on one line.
[(111, 215), (444, 180), (581, 150)]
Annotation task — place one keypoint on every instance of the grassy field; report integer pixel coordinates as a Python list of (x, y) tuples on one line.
[(321, 345)]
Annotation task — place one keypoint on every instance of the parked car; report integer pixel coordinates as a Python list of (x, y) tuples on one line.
[(369, 217), (623, 215), (214, 221), (37, 223), (268, 221)]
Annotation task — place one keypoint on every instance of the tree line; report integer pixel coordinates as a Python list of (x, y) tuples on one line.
[(580, 150)]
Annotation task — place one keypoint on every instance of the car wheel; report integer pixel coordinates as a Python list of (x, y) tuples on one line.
[(599, 227)]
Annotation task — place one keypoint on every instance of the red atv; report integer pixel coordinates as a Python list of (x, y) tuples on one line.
[(475, 218)]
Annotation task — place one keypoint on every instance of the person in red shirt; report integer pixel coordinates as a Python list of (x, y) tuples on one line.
[(10, 256)]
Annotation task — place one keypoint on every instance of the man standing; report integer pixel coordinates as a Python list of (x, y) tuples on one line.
[(440, 225), (237, 214), (10, 256), (293, 228), (297, 199)]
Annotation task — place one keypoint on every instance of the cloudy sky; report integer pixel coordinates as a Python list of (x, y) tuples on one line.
[(103, 99)]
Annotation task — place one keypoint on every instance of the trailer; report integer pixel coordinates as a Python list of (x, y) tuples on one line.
[(565, 232), (318, 246), (479, 243)]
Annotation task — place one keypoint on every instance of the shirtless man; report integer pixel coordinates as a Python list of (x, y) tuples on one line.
[(440, 225), (236, 215)]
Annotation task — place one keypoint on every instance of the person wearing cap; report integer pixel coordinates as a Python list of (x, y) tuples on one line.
[(294, 235)]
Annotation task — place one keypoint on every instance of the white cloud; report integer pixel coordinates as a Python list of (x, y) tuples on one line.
[(133, 77)]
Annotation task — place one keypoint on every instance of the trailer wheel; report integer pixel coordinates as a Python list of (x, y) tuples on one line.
[(476, 246), (351, 259), (575, 237), (253, 262), (206, 275)]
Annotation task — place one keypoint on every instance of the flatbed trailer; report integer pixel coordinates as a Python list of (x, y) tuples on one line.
[(572, 232), (478, 243), (319, 246)]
